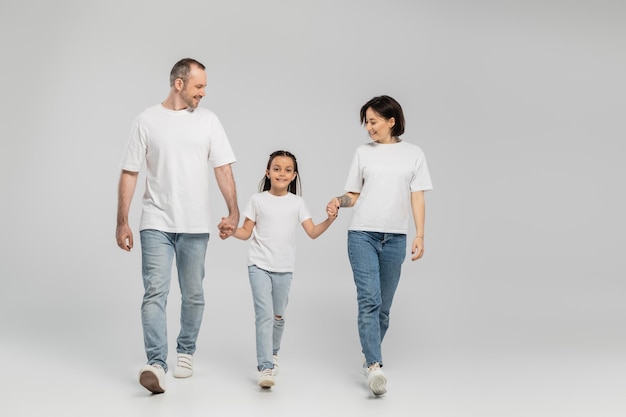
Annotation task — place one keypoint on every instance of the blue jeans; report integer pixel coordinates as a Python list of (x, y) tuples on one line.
[(376, 259), (270, 293), (157, 253)]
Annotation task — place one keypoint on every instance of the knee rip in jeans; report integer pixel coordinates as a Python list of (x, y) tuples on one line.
[(278, 318)]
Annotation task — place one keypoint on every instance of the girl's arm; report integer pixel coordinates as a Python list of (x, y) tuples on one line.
[(418, 206), (314, 230), (244, 232)]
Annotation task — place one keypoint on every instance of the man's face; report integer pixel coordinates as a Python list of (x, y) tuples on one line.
[(193, 91)]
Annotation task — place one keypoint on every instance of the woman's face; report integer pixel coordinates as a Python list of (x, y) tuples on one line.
[(377, 126)]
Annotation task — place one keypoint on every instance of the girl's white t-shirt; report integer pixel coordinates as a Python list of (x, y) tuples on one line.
[(385, 175), (179, 148), (276, 218)]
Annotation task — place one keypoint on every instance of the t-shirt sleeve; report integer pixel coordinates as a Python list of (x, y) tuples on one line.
[(421, 178), (221, 152), (250, 210), (354, 183), (303, 213), (136, 148)]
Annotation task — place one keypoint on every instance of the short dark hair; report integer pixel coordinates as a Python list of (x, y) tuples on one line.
[(182, 68), (387, 107)]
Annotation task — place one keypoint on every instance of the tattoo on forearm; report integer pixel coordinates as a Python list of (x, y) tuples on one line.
[(344, 201)]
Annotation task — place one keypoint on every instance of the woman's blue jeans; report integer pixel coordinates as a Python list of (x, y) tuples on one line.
[(157, 253), (376, 259)]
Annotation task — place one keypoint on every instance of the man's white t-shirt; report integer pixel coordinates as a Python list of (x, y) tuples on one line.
[(179, 148), (273, 242), (385, 175)]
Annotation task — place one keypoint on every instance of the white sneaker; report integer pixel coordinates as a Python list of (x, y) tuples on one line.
[(275, 362), (184, 366), (376, 380), (266, 379), (152, 377)]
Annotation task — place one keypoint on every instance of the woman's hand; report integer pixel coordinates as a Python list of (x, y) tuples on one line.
[(417, 249)]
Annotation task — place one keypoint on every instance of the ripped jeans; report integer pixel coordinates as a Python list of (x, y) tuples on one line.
[(270, 293)]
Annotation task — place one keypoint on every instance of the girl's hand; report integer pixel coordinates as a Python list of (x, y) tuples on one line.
[(332, 208), (417, 249)]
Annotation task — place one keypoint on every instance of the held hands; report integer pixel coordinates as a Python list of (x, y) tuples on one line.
[(228, 225), (417, 249), (332, 208)]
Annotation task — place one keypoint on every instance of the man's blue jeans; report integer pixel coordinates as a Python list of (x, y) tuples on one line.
[(376, 259), (270, 293), (157, 253)]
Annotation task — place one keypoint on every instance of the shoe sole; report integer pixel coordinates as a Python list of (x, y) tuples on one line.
[(377, 385), (150, 382)]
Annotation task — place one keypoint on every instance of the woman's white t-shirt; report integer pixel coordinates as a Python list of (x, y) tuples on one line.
[(179, 148), (385, 175), (276, 218)]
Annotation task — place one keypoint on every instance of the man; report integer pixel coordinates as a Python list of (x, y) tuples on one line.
[(178, 141)]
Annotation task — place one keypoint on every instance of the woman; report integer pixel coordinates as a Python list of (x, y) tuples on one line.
[(385, 185)]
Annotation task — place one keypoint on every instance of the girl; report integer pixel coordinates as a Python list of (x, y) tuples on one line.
[(385, 185), (271, 217)]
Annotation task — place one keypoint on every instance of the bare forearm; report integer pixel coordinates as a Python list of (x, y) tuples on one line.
[(320, 228), (347, 200), (241, 234), (226, 184), (126, 190), (418, 206)]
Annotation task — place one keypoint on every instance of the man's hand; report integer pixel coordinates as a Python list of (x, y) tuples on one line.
[(228, 225), (124, 237)]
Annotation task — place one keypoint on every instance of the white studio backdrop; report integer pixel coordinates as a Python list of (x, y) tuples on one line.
[(517, 105)]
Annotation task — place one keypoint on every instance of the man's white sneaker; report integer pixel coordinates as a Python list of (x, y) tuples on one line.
[(376, 380), (275, 362), (152, 377), (266, 379), (184, 366)]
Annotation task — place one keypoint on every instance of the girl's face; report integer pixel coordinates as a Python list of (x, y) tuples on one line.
[(281, 173), (378, 127)]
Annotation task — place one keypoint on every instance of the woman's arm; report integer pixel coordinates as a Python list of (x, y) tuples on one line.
[(244, 232), (347, 200), (418, 206)]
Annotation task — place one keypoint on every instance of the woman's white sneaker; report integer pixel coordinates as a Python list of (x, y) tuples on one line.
[(376, 380)]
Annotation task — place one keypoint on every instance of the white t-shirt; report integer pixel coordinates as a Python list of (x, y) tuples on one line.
[(273, 243), (385, 175), (178, 148)]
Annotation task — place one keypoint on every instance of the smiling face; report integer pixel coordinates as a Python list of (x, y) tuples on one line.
[(378, 127), (281, 173), (192, 91)]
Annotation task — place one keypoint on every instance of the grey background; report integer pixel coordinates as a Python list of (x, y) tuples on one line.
[(517, 307)]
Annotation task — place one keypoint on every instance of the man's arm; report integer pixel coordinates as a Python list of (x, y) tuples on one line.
[(226, 184), (126, 190)]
